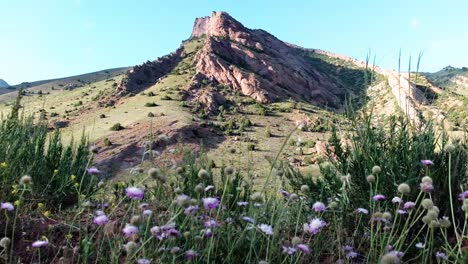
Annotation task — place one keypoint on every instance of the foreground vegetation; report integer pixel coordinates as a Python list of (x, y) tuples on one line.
[(389, 193)]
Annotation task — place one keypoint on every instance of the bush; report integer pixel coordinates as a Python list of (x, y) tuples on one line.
[(166, 97), (150, 114), (150, 94), (117, 127), (102, 116), (150, 104), (26, 148), (251, 147), (107, 142)]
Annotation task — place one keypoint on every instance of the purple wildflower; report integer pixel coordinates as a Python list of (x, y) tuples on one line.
[(7, 206), (210, 203), (285, 193), (101, 219), (319, 207), (143, 206), (93, 171), (191, 254), (426, 187), (40, 243), (267, 229), (248, 219), (191, 210), (379, 197), (144, 261), (399, 254), (397, 200), (314, 226), (165, 231), (409, 205), (182, 199), (349, 252), (147, 212), (129, 230), (441, 256), (135, 193), (211, 223), (462, 196), (304, 248), (427, 162), (401, 212), (242, 203), (208, 232), (289, 250), (362, 211)]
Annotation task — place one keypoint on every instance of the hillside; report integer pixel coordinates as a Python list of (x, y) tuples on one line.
[(234, 91), (450, 78), (3, 84)]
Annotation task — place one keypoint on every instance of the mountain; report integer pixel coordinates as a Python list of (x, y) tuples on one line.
[(252, 62), (450, 78), (3, 84), (228, 89)]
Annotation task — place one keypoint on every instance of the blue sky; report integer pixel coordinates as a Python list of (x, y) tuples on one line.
[(57, 38)]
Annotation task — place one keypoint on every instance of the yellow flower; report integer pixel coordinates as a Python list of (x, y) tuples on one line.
[(76, 185), (17, 203), (40, 205), (3, 165), (47, 213), (56, 172), (72, 178), (68, 236)]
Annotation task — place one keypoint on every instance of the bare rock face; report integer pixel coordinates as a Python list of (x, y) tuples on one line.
[(260, 65), (143, 76)]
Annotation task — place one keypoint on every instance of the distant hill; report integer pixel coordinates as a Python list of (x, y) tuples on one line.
[(3, 83), (450, 78)]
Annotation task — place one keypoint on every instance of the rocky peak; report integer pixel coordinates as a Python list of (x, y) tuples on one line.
[(3, 83), (219, 24)]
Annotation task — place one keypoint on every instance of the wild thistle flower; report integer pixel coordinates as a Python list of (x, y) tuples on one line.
[(203, 174), (379, 197), (207, 232), (191, 210), (175, 250), (397, 200), (25, 180), (289, 250), (267, 229), (441, 256), (445, 222), (7, 206), (426, 187), (333, 205), (211, 203), (296, 240), (432, 214), (101, 184), (240, 203), (427, 204), (370, 178), (211, 223), (143, 261), (362, 211), (130, 247), (427, 163), (426, 179), (101, 219), (408, 205), (404, 188), (191, 254), (319, 207), (390, 258), (135, 193), (294, 197), (248, 219), (376, 170), (147, 212), (303, 248), (40, 243), (182, 200), (420, 245), (135, 220), (130, 230), (387, 216), (199, 188), (314, 226), (5, 242), (401, 212), (93, 171), (449, 147), (154, 173), (284, 193), (462, 196), (305, 188), (349, 252), (229, 170)]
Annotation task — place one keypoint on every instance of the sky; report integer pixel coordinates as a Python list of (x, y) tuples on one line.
[(58, 38)]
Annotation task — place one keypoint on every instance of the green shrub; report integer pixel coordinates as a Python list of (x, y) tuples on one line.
[(166, 97), (150, 114), (107, 142), (102, 116), (116, 127), (150, 94), (150, 104), (26, 148), (251, 147)]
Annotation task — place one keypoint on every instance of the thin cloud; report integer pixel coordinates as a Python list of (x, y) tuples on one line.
[(415, 23)]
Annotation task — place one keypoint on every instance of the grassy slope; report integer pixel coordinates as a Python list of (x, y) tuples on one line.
[(445, 79)]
